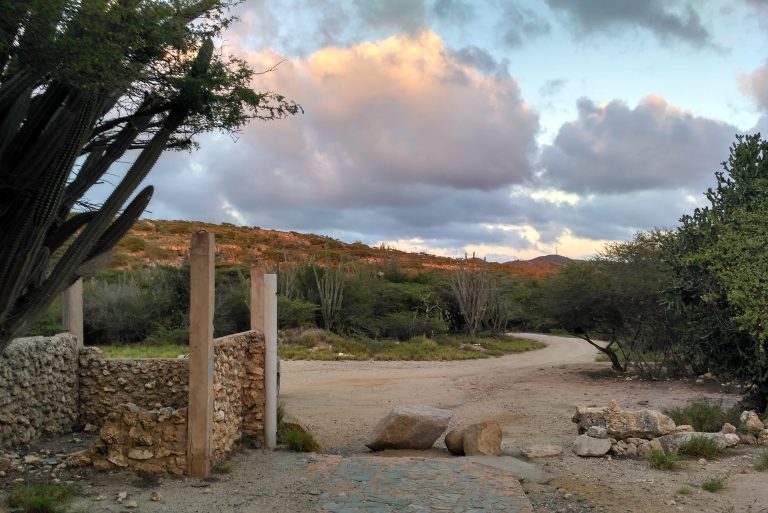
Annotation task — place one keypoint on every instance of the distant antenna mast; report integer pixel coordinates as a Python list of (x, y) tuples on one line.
[(556, 250)]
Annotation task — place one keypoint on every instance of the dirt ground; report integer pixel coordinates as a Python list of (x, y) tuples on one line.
[(533, 396)]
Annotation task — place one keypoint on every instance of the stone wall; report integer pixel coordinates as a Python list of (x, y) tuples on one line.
[(145, 440), (238, 390), (147, 383), (38, 388)]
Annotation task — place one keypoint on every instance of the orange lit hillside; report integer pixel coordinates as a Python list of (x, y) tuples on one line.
[(167, 242)]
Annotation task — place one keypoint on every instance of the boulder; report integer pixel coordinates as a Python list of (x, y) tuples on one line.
[(587, 446), (482, 439), (597, 432), (747, 438), (454, 441), (728, 428), (762, 439), (731, 439), (622, 424), (542, 451), (672, 442), (409, 427), (751, 423)]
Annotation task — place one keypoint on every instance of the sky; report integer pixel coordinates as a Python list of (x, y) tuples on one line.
[(508, 129)]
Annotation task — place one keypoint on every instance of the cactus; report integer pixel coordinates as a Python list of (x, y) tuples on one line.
[(70, 107)]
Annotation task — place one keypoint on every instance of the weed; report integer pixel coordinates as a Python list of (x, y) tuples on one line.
[(700, 447), (713, 485), (41, 498), (662, 461), (296, 439), (685, 490), (762, 462), (704, 415), (222, 467), (600, 373)]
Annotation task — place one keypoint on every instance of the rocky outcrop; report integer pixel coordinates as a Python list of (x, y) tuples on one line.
[(482, 439), (409, 427), (38, 388)]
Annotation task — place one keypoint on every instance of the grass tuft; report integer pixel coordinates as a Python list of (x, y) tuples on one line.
[(704, 415), (222, 467), (41, 498), (700, 447), (298, 440), (762, 462), (662, 461), (713, 485), (685, 490)]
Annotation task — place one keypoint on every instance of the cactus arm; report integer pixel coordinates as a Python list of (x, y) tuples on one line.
[(59, 235)]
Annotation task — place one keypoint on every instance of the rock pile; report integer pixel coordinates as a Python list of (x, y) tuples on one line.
[(627, 433)]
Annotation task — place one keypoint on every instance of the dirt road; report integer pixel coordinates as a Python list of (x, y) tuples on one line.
[(532, 395)]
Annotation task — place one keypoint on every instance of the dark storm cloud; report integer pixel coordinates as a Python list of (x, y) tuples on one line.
[(666, 22), (613, 148), (518, 24)]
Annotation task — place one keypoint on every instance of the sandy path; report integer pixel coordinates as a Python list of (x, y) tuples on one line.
[(532, 395), (345, 399)]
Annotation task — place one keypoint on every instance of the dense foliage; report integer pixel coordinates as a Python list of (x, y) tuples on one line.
[(83, 85)]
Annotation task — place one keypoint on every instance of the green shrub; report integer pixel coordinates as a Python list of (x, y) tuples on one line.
[(222, 467), (298, 440), (700, 447), (685, 490), (41, 498), (713, 485), (662, 461), (295, 313), (704, 415)]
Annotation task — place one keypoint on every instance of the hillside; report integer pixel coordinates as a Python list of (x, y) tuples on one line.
[(167, 242)]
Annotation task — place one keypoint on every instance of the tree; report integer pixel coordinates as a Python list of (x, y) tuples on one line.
[(619, 297), (471, 286), (720, 264), (83, 84)]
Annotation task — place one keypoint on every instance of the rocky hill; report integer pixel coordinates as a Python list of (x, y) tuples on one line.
[(167, 242)]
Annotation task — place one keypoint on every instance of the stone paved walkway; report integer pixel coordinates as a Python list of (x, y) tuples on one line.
[(421, 485)]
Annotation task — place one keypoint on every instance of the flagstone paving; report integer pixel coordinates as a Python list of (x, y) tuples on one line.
[(420, 485)]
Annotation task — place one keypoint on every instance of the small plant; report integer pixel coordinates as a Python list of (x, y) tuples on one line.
[(713, 485), (704, 415), (662, 460), (762, 462), (685, 490), (296, 439), (41, 498), (222, 467), (700, 447)]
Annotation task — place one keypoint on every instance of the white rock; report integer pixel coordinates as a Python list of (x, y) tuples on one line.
[(587, 446), (542, 451), (131, 505), (731, 439)]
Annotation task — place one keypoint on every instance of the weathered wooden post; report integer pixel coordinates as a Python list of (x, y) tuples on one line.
[(270, 360), (202, 256), (72, 311), (257, 298)]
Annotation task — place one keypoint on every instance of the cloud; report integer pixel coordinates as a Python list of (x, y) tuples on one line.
[(612, 148), (656, 16), (454, 11), (755, 84), (552, 87), (518, 24), (401, 16), (481, 59)]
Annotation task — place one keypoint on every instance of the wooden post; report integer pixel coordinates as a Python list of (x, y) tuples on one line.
[(72, 311), (202, 255), (257, 298), (270, 360)]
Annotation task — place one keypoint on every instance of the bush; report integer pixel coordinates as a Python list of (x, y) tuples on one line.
[(295, 313), (41, 498), (704, 415), (662, 461), (713, 485), (297, 440), (700, 447)]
